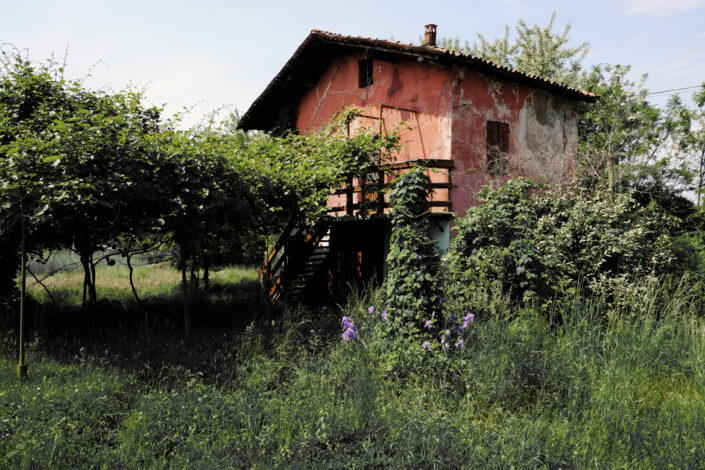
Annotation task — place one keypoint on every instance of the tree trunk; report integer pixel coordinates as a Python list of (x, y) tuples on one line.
[(206, 274), (194, 274), (46, 289), (206, 262), (132, 281), (88, 280), (612, 177), (92, 296), (185, 292)]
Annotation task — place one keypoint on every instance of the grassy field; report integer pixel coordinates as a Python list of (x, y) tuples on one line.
[(277, 388), (112, 282)]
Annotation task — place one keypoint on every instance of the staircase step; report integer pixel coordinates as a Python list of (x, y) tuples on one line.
[(302, 271)]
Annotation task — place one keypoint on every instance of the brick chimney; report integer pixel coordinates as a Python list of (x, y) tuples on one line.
[(429, 38)]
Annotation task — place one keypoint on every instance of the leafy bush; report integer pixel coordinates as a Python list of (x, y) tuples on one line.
[(536, 244)]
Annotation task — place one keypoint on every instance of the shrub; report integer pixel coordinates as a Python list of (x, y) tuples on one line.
[(536, 244)]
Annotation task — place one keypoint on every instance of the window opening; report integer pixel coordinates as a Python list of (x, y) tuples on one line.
[(497, 147), (365, 75)]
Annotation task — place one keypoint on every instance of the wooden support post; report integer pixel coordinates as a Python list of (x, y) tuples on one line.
[(349, 197), (21, 366), (380, 192)]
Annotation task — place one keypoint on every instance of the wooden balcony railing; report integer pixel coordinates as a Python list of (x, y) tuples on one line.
[(367, 194)]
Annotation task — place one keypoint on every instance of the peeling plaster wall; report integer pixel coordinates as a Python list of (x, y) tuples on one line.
[(404, 84), (444, 116), (543, 133)]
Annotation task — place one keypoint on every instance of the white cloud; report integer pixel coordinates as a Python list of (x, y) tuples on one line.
[(635, 7)]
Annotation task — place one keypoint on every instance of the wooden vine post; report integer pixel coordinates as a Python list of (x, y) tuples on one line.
[(21, 366)]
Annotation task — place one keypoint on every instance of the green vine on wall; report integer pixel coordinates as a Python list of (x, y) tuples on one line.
[(411, 290)]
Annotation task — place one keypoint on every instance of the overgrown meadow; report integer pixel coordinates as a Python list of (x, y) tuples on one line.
[(587, 386)]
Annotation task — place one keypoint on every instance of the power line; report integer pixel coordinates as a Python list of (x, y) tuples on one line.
[(674, 89)]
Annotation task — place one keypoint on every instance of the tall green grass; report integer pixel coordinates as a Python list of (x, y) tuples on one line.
[(587, 387)]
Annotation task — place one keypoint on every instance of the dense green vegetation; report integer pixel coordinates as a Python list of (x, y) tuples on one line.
[(536, 244), (599, 386)]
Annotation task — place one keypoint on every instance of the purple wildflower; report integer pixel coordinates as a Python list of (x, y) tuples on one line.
[(469, 318), (312, 331), (428, 324), (371, 310), (349, 334), (460, 328), (384, 315), (453, 317), (349, 328), (460, 343), (473, 331), (426, 345)]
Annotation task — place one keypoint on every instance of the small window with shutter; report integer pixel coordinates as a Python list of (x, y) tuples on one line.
[(365, 73), (497, 148)]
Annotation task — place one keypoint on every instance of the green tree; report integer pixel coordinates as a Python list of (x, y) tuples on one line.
[(74, 162), (536, 50), (627, 144), (694, 143)]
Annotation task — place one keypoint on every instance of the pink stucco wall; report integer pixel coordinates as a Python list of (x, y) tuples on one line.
[(443, 115)]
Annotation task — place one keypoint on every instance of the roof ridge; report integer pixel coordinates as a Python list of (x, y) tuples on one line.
[(459, 54)]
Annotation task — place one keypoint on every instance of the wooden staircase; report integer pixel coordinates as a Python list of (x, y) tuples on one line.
[(301, 252), (295, 260)]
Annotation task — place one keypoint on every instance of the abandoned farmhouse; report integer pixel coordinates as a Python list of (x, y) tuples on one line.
[(467, 120)]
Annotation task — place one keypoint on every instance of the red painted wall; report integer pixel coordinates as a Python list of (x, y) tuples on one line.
[(444, 114)]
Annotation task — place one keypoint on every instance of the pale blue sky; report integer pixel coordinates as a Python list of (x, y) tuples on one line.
[(214, 53)]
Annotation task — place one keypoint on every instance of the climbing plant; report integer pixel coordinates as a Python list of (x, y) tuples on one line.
[(410, 288)]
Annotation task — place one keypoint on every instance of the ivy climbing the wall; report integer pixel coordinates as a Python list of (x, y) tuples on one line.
[(411, 290)]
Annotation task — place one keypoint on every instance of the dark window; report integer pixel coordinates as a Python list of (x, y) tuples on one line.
[(365, 67), (497, 147)]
